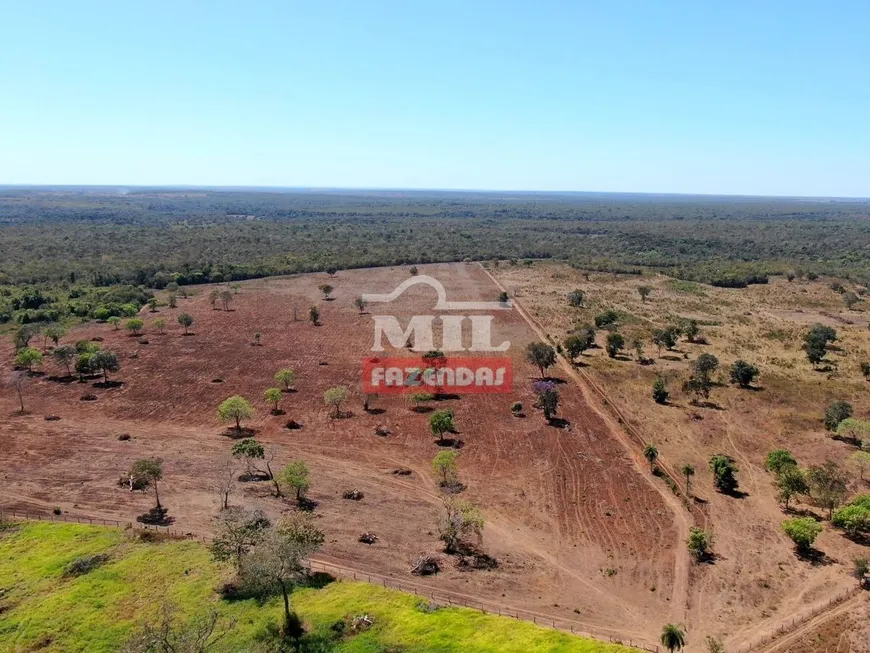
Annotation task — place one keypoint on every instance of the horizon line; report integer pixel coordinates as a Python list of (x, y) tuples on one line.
[(417, 189)]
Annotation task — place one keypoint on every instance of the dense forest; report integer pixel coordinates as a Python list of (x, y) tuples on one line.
[(72, 252)]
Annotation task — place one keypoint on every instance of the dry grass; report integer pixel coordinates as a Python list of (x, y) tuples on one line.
[(756, 576)]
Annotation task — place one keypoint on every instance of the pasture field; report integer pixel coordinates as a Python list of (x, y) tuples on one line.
[(45, 608), (756, 581), (579, 528)]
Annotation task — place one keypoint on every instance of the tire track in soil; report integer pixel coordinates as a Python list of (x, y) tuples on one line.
[(680, 591)]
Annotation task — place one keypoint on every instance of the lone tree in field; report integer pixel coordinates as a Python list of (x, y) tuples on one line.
[(651, 453), (743, 373), (226, 298), (237, 531), (836, 412), (458, 521), (213, 297), (335, 397), (326, 289), (134, 326), (700, 381), (115, 321), (294, 478), (803, 532), (287, 377), (314, 315), (18, 381), (576, 297), (360, 304), (104, 362), (790, 482), (644, 292), (28, 357), (24, 335), (666, 338), (861, 459), (723, 469), (614, 344), (673, 638), (273, 396), (816, 343), (276, 563), (690, 329), (186, 321), (660, 392), (65, 356), (548, 398), (235, 409), (434, 360), (413, 270), (574, 346), (503, 297), (699, 543), (441, 422), (828, 485), (444, 465), (541, 355), (778, 459), (854, 430), (159, 325), (54, 333), (688, 471), (148, 471)]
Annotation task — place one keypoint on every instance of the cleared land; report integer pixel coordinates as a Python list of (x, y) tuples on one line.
[(45, 608), (579, 529), (756, 582)]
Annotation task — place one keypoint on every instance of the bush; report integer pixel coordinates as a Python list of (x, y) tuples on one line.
[(802, 531), (606, 319), (81, 566), (660, 392), (835, 413), (743, 373)]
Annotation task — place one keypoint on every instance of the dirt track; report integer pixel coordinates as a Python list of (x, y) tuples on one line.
[(577, 527)]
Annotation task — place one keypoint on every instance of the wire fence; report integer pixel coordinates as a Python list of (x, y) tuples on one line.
[(799, 620)]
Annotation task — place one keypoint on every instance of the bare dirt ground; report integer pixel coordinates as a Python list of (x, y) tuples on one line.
[(756, 582), (579, 529)]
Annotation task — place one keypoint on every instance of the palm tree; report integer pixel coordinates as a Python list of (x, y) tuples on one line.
[(688, 472), (673, 638), (651, 454)]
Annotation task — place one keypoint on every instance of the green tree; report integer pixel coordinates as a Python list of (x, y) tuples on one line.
[(854, 430), (276, 562), (743, 373), (335, 397), (314, 315), (651, 453), (213, 297), (690, 329), (606, 319), (326, 289), (235, 409), (115, 321), (854, 518), (458, 521), (827, 485), (65, 356), (723, 469), (148, 471), (159, 325), (287, 377), (104, 362), (816, 341), (294, 478), (673, 638), (644, 292), (862, 462), (413, 270), (441, 422), (134, 325), (185, 321), (237, 530), (24, 334), (699, 543), (574, 346), (790, 481), (778, 459), (660, 392), (54, 333), (615, 343), (360, 304), (273, 396), (444, 465), (226, 298), (541, 355), (28, 357), (664, 338), (802, 531), (152, 304), (836, 412), (548, 398), (688, 471), (249, 450), (503, 297)]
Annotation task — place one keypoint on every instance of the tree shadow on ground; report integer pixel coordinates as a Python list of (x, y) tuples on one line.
[(61, 379), (559, 423), (814, 556), (156, 517), (238, 433), (375, 411), (446, 443), (107, 385)]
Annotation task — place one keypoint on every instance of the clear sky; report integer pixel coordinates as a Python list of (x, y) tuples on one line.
[(756, 97)]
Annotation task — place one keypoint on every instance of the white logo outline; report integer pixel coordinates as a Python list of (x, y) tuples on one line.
[(442, 304)]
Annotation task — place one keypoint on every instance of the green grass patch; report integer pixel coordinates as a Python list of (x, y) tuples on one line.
[(685, 287), (42, 607)]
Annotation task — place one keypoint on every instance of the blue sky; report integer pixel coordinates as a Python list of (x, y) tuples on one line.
[(695, 97)]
